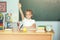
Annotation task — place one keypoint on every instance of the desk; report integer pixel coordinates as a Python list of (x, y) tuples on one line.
[(25, 36)]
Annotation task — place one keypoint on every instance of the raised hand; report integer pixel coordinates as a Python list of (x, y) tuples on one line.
[(19, 5), (20, 9)]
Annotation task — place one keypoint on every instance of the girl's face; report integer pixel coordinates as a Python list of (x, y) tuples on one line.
[(28, 14)]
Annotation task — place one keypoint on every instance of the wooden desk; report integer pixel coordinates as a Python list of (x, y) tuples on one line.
[(25, 36)]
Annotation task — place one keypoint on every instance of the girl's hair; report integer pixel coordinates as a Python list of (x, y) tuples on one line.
[(29, 11)]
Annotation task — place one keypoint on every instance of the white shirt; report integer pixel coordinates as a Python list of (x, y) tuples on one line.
[(28, 22)]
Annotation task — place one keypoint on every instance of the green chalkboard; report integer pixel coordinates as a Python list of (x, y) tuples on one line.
[(43, 10)]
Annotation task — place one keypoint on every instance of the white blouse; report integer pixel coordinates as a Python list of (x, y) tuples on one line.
[(28, 22)]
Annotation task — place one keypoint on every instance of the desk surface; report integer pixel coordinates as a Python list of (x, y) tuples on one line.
[(10, 32)]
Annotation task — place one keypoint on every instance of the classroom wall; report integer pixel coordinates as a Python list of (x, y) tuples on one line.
[(58, 30), (12, 7), (56, 25)]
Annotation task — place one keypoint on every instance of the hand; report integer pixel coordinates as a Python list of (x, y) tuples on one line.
[(18, 23), (19, 5)]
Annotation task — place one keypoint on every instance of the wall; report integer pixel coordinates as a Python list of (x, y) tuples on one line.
[(58, 30), (12, 7)]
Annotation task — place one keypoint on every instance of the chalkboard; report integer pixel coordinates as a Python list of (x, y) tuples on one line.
[(43, 10)]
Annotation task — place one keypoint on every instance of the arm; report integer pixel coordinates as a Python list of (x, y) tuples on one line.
[(22, 15), (21, 12), (33, 26)]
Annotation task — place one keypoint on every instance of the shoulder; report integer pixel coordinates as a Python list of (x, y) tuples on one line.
[(24, 19)]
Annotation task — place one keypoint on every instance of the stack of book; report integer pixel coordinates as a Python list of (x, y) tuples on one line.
[(1, 21), (1, 25), (40, 29), (8, 30)]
